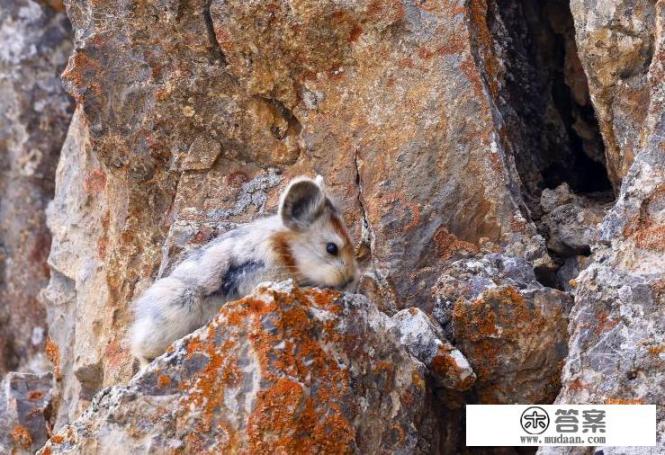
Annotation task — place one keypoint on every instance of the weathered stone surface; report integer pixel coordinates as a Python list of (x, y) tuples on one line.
[(436, 125), (425, 341), (616, 40), (76, 220), (282, 371), (25, 401), (191, 118), (571, 221), (352, 73), (35, 41), (617, 326), (510, 327)]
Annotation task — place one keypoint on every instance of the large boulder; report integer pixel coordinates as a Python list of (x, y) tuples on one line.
[(510, 327), (617, 42), (285, 370)]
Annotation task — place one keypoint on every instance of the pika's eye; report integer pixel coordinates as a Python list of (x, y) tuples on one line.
[(331, 248)]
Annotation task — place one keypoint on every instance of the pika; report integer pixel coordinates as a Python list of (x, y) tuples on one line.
[(306, 241)]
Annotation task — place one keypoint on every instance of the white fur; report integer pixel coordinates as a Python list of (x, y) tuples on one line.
[(186, 299)]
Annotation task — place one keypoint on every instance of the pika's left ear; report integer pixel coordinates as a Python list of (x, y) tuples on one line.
[(301, 203)]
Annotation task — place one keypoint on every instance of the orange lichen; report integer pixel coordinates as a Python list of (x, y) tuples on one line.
[(409, 211), (603, 323), (497, 317), (417, 379), (445, 366), (447, 245), (453, 46), (34, 395), (290, 413), (656, 350), (193, 345), (114, 354), (355, 33), (648, 234), (79, 71), (577, 385), (56, 5), (651, 238), (425, 54), (406, 62), (53, 355), (484, 45), (163, 380), (57, 439), (624, 401), (21, 437)]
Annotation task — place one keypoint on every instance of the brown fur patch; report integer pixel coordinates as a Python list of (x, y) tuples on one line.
[(281, 245), (339, 227)]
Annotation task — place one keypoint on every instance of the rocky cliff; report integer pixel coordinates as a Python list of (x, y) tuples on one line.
[(501, 165)]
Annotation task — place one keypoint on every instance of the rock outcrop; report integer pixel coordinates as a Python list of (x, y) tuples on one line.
[(501, 165), (617, 328), (191, 117), (285, 370), (617, 42), (511, 328), (35, 42)]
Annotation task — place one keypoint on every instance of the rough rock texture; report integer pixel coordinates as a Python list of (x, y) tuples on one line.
[(542, 95), (571, 221), (511, 328), (617, 344), (426, 342), (617, 41), (282, 371), (25, 406), (35, 42), (444, 129), (190, 119)]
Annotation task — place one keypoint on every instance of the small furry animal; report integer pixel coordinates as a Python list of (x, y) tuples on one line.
[(306, 241)]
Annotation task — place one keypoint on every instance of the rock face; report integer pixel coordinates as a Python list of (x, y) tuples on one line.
[(285, 371), (617, 326), (191, 118), (25, 403), (484, 152), (34, 113), (571, 221), (617, 43)]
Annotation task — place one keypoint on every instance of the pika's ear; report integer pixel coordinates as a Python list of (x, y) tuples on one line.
[(301, 203)]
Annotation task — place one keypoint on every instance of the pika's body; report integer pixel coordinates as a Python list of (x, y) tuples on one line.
[(306, 241)]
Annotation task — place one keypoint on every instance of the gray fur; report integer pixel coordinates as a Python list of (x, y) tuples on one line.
[(233, 264)]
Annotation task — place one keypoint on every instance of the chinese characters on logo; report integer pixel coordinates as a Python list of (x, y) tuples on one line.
[(567, 421)]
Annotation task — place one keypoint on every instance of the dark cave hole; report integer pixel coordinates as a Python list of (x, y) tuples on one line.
[(547, 109), (550, 123), (583, 173)]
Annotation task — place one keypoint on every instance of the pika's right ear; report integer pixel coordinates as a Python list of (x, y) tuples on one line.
[(301, 203)]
